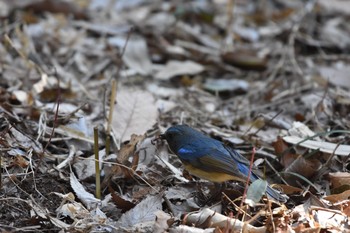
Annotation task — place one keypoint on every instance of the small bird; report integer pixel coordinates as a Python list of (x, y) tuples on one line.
[(210, 159)]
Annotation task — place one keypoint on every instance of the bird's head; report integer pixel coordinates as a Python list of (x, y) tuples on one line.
[(179, 135)]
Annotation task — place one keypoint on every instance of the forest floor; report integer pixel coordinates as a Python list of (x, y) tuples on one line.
[(81, 79)]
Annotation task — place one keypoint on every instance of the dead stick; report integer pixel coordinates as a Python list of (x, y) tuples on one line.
[(110, 115), (97, 164)]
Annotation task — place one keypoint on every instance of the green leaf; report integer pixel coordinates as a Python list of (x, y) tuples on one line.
[(255, 192)]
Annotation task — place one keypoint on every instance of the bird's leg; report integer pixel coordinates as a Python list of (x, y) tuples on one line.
[(200, 197), (203, 200), (219, 188)]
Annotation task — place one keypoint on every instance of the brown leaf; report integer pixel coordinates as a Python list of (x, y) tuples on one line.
[(20, 161), (287, 189), (299, 165), (55, 6), (339, 179), (280, 146), (346, 208), (126, 151), (246, 60), (121, 203), (338, 197)]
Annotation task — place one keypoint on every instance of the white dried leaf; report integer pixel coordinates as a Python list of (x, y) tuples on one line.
[(143, 212), (299, 129), (73, 210), (164, 92), (136, 56), (86, 168), (87, 198), (135, 113), (218, 85), (175, 68), (338, 76), (161, 225), (335, 6), (328, 147), (67, 196), (161, 21), (19, 138)]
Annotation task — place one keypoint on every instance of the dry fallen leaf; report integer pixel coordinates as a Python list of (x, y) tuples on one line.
[(328, 147), (338, 76), (163, 222), (294, 163), (120, 202), (337, 6), (221, 221), (339, 179), (220, 85), (124, 168), (142, 213), (175, 68), (135, 113), (245, 60), (338, 197), (136, 56), (87, 198)]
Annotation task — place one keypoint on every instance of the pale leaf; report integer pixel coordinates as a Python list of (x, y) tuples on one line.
[(328, 147), (87, 198), (175, 68), (135, 113), (142, 213), (136, 56)]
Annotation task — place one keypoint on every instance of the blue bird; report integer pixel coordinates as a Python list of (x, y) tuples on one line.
[(210, 159)]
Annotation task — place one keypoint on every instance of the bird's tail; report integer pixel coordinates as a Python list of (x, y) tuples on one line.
[(276, 195)]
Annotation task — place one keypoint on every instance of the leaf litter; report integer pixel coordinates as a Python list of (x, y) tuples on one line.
[(270, 76)]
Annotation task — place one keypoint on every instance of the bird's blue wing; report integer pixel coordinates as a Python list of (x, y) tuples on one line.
[(216, 158)]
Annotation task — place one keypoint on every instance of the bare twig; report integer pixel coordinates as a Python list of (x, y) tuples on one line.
[(110, 116), (97, 164)]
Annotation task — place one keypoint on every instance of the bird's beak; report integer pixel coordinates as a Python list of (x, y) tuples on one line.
[(160, 137)]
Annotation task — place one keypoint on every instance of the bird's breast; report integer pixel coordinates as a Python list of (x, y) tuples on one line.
[(218, 177)]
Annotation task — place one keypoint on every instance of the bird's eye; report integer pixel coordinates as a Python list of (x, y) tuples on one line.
[(170, 135)]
